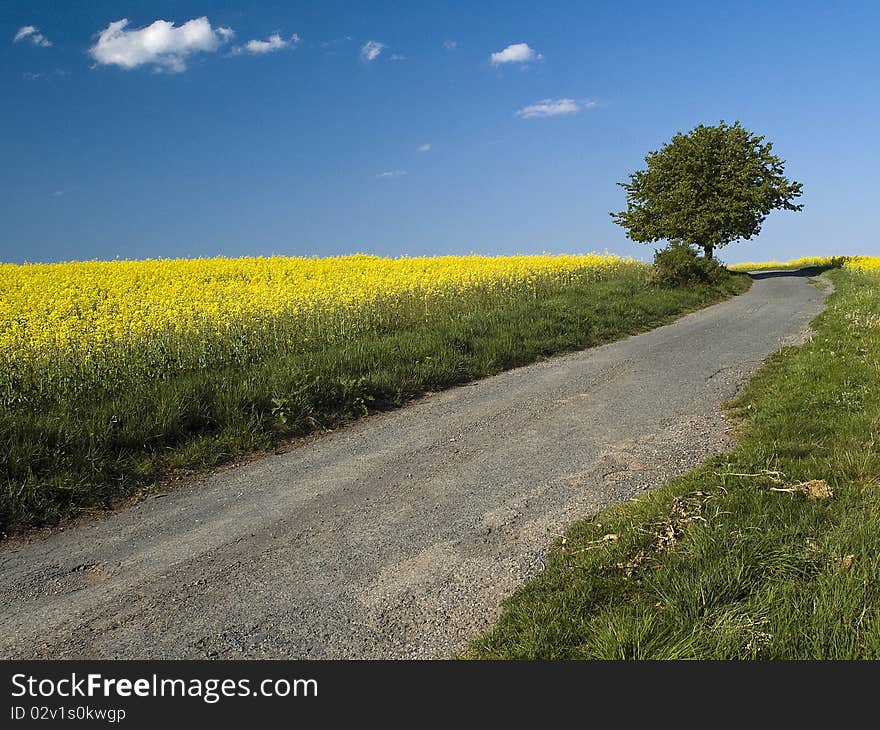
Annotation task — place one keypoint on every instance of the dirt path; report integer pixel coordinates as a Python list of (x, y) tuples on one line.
[(398, 536)]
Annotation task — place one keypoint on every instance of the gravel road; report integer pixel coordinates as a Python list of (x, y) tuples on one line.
[(399, 535)]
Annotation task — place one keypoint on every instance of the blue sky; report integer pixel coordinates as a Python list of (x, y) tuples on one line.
[(196, 142)]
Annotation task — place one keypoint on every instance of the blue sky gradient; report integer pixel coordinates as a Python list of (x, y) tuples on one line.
[(284, 152)]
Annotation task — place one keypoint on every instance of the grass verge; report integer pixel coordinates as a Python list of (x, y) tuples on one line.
[(771, 551), (71, 457)]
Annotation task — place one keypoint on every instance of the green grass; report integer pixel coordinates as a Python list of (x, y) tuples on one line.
[(69, 457), (719, 566)]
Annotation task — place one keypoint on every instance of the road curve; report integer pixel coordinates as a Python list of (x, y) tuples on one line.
[(399, 535)]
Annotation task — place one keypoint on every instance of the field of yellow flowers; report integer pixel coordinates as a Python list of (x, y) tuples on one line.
[(800, 263), (863, 264), (72, 329)]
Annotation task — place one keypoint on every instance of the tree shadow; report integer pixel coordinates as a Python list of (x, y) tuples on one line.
[(803, 273)]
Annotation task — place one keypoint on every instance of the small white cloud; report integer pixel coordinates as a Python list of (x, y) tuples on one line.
[(24, 32), (55, 74), (551, 108), (450, 45), (397, 57), (515, 53), (32, 34), (370, 50), (425, 147), (273, 43), (391, 173), (161, 44)]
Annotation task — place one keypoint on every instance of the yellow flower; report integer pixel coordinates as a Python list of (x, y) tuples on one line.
[(66, 328)]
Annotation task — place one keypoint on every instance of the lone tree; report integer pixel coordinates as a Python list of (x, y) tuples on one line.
[(707, 188)]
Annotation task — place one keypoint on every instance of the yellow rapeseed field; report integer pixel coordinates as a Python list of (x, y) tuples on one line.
[(803, 262), (71, 327), (864, 264)]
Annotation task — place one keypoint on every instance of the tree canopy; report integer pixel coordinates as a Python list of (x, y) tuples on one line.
[(707, 188)]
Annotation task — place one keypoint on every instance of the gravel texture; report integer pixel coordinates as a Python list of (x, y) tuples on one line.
[(399, 535)]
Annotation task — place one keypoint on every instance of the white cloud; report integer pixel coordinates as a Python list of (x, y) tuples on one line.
[(397, 57), (161, 44), (273, 43), (24, 32), (55, 74), (515, 53), (371, 49), (425, 147), (391, 173), (28, 32), (450, 45), (553, 108)]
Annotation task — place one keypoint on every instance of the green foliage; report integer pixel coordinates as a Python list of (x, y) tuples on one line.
[(63, 458), (709, 187), (679, 265), (731, 561)]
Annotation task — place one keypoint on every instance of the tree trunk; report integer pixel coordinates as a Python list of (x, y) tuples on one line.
[(707, 250)]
